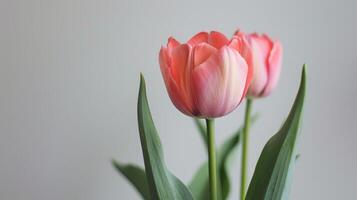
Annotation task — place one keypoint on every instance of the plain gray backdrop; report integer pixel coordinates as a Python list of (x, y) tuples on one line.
[(69, 75)]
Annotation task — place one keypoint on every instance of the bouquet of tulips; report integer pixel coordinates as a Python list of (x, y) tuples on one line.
[(206, 78)]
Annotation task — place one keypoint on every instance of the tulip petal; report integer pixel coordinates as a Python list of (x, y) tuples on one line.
[(265, 44), (274, 67), (164, 61), (179, 61), (172, 43), (218, 83), (217, 39), (198, 38), (202, 52), (239, 33), (260, 78), (172, 87), (237, 44), (241, 44), (181, 72)]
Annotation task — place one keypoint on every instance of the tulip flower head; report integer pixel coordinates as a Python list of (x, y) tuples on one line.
[(208, 76), (267, 58)]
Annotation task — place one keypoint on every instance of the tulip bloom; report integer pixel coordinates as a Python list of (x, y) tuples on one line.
[(209, 75), (267, 58)]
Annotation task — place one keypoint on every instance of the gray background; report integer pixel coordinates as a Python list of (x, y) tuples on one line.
[(69, 75)]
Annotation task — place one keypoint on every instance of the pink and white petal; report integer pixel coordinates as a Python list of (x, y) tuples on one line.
[(201, 53), (260, 77), (235, 43), (201, 37), (238, 74), (218, 83), (265, 45), (243, 47), (217, 39), (248, 56), (241, 44), (274, 67)]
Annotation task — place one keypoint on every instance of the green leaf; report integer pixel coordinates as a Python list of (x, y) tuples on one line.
[(200, 183), (224, 152), (163, 185), (272, 175), (136, 176)]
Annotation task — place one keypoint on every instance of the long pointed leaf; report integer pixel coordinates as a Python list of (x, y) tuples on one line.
[(199, 185), (272, 175), (163, 185), (136, 176)]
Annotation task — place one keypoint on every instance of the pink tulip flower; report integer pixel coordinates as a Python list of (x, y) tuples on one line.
[(267, 58), (208, 76)]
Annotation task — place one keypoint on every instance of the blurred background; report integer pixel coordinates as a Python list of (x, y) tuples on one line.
[(69, 77)]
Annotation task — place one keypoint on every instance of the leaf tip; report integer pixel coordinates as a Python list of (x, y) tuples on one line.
[(303, 73), (142, 88), (115, 164), (303, 80), (142, 79)]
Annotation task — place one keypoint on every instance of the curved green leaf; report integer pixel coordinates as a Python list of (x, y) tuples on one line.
[(163, 185), (272, 175), (225, 151), (136, 176), (199, 184)]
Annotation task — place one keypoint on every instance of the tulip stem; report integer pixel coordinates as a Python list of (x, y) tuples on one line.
[(212, 167), (245, 148)]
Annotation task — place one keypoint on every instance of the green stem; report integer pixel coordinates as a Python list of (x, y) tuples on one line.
[(212, 159), (245, 148)]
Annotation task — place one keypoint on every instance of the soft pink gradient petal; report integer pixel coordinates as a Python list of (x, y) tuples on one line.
[(218, 83), (171, 86), (236, 43), (181, 71), (265, 44), (260, 77), (202, 52), (241, 44), (178, 63), (274, 67), (217, 39), (209, 75), (198, 38)]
